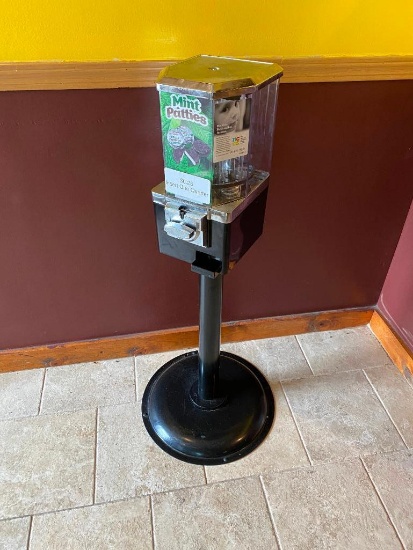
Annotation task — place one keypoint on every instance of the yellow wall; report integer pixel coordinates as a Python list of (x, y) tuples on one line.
[(81, 30)]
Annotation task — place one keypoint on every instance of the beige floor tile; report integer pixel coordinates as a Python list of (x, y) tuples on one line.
[(277, 358), (392, 475), (89, 385), (225, 515), (117, 526), (46, 463), (330, 506), (14, 534), (130, 464), (282, 448), (339, 416), (397, 397), (20, 393), (343, 350)]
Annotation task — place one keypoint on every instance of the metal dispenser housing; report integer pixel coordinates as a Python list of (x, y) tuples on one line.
[(217, 115)]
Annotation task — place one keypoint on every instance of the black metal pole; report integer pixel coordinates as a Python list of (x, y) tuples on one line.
[(210, 293)]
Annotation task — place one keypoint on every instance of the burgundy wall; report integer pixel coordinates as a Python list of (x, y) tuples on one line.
[(396, 300), (78, 248)]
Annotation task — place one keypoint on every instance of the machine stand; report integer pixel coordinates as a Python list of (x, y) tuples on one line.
[(208, 407)]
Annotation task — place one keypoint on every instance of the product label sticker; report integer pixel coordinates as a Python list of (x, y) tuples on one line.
[(188, 186), (187, 134), (231, 128), (229, 146)]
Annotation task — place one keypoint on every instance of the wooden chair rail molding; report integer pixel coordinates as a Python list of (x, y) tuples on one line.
[(167, 340), (142, 74)]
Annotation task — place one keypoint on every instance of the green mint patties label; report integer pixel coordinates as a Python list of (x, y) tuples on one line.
[(187, 136)]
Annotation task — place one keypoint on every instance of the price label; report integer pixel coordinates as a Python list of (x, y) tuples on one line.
[(188, 186)]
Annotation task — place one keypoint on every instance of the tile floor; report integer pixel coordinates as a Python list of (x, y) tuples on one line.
[(78, 470)]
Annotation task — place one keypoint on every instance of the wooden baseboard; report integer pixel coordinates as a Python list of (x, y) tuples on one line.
[(153, 342), (141, 74), (397, 350)]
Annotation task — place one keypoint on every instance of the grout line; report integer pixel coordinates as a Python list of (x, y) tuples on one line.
[(408, 380), (41, 392), (303, 352), (83, 506), (296, 425), (62, 412), (152, 522), (385, 408), (277, 536), (96, 457), (382, 502), (29, 537)]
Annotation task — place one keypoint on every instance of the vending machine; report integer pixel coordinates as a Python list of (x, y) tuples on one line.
[(217, 116)]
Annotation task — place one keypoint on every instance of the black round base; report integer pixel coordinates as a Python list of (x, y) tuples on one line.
[(194, 434)]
